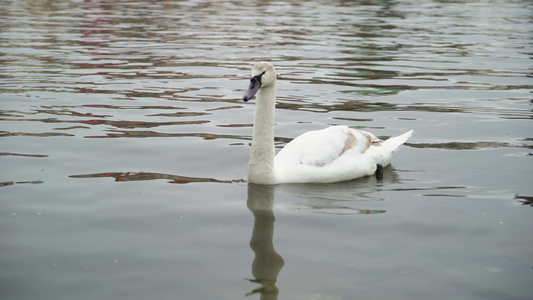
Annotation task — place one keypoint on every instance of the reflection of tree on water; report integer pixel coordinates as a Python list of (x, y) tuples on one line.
[(267, 262)]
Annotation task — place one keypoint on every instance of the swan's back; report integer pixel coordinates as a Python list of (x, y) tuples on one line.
[(334, 154)]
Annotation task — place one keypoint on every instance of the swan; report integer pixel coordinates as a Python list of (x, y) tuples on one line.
[(333, 154)]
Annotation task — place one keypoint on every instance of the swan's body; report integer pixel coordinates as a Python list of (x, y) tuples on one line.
[(334, 154)]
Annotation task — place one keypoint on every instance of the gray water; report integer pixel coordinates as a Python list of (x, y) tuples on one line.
[(124, 143)]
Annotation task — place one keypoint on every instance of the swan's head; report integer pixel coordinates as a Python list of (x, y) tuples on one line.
[(263, 75)]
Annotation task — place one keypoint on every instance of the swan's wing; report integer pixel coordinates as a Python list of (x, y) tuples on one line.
[(321, 147)]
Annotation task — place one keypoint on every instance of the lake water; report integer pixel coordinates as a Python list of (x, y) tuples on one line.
[(124, 144)]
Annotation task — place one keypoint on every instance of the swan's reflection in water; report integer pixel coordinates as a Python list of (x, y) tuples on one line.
[(319, 198), (341, 198), (267, 262)]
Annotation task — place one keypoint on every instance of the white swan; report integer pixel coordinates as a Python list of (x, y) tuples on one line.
[(334, 154)]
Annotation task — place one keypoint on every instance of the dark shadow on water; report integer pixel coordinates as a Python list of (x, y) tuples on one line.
[(145, 176), (467, 145), (23, 154), (525, 200), (267, 262), (9, 183)]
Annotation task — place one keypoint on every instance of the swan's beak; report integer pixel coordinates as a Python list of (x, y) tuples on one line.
[(255, 84)]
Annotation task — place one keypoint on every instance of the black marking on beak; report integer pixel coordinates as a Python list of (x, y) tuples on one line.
[(255, 84)]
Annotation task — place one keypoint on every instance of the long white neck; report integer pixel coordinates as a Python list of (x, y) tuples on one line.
[(261, 163)]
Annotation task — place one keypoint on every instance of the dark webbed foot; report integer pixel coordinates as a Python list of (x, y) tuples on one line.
[(379, 172)]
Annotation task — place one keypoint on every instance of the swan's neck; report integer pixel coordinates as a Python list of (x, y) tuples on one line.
[(261, 163)]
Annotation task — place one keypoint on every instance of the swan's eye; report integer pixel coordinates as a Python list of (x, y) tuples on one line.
[(256, 78)]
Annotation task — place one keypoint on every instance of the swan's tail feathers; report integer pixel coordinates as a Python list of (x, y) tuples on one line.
[(396, 141)]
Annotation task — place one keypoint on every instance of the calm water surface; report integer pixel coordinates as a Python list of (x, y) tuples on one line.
[(124, 144)]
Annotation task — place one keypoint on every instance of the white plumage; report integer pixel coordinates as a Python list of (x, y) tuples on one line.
[(333, 154)]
